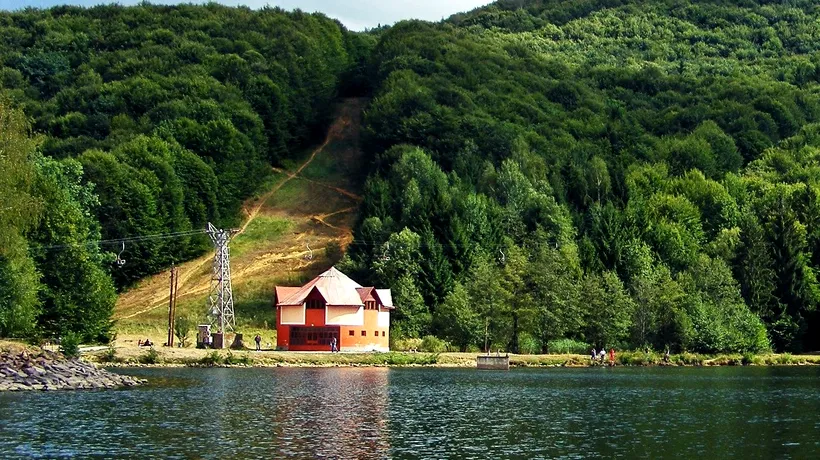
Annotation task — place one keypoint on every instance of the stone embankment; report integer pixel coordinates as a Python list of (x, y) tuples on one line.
[(45, 370)]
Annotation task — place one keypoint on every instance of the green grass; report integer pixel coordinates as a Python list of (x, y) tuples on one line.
[(262, 229)]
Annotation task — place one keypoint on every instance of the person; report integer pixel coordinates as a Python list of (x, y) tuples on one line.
[(611, 356), (258, 340), (666, 356), (602, 356), (593, 356), (333, 345)]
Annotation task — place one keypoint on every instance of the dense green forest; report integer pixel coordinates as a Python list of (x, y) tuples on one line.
[(141, 121), (619, 173)]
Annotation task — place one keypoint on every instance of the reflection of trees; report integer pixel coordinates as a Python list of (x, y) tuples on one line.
[(331, 413)]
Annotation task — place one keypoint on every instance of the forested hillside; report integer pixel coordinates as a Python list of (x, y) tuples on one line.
[(118, 123), (617, 173), (621, 173)]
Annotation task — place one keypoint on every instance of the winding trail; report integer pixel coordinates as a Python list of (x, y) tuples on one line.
[(194, 276)]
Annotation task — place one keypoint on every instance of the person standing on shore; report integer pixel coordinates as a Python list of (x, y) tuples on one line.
[(611, 356), (258, 340)]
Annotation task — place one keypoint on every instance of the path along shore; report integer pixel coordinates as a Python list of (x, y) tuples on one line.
[(128, 356)]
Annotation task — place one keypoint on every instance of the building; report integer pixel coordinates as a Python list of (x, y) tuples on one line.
[(333, 306)]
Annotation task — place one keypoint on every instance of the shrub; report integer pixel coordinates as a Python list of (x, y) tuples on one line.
[(433, 344), (638, 358), (687, 359), (70, 345), (785, 358), (528, 345), (109, 355), (233, 360), (568, 346), (150, 357), (182, 327), (406, 344), (211, 359)]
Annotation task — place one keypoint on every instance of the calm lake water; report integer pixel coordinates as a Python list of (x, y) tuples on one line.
[(747, 412)]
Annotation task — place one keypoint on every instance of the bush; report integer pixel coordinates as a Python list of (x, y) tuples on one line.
[(433, 344), (406, 344), (638, 358), (234, 360), (150, 357), (568, 346), (109, 355), (687, 359), (211, 359), (402, 359), (182, 327), (528, 345), (70, 345)]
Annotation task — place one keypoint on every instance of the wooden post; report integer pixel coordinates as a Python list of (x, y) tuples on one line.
[(171, 302)]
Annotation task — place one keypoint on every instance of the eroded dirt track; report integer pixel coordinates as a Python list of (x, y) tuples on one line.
[(316, 201)]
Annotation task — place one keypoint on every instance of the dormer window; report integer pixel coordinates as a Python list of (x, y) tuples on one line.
[(370, 305), (314, 304)]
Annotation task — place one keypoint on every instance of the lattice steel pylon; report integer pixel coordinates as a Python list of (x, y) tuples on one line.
[(220, 299)]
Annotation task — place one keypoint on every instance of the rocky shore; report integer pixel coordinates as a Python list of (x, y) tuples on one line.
[(45, 370)]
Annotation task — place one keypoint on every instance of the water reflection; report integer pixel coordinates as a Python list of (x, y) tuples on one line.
[(426, 413), (332, 414)]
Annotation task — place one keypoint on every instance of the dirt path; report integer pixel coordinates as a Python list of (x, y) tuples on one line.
[(194, 276)]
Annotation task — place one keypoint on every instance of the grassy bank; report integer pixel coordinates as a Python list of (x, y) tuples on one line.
[(128, 356)]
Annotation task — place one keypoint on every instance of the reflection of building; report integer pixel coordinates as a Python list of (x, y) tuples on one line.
[(328, 413), (332, 306)]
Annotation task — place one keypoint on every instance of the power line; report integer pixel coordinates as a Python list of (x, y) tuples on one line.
[(131, 239)]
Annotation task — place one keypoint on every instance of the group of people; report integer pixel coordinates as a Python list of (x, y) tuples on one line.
[(599, 356)]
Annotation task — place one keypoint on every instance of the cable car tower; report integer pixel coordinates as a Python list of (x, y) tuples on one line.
[(220, 299)]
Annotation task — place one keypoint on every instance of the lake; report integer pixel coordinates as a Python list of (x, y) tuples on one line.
[(746, 412)]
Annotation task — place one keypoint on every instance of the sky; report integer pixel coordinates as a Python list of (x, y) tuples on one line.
[(354, 14)]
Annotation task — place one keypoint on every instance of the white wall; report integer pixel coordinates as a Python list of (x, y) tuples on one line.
[(292, 314), (344, 316)]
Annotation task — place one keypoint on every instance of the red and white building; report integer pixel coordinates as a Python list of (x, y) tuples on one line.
[(333, 305)]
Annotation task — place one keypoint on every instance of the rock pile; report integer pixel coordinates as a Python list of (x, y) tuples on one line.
[(47, 370)]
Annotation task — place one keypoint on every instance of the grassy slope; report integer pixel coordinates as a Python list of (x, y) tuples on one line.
[(311, 202)]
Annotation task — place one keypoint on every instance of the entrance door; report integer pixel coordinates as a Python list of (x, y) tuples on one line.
[(312, 338)]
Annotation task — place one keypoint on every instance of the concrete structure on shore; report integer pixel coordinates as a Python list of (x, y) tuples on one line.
[(333, 306)]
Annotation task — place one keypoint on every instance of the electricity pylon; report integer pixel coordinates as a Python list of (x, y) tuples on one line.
[(220, 299)]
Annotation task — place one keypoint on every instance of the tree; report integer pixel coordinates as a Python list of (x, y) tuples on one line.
[(182, 327), (457, 320), (19, 210), (78, 294), (607, 310)]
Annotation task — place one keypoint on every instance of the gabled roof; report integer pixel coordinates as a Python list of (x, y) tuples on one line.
[(365, 292), (334, 286), (284, 292), (386, 297)]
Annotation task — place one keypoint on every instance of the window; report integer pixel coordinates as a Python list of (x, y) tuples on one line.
[(315, 304), (382, 333), (370, 305), (350, 332), (375, 333), (364, 333), (312, 335)]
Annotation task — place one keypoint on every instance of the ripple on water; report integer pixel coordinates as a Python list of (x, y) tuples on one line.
[(425, 413)]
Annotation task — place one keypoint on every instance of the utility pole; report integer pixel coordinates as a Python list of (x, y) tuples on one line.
[(172, 305), (220, 299)]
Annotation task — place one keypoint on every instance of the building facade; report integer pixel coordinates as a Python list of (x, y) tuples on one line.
[(330, 306)]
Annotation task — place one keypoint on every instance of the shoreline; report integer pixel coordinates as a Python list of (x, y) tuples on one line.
[(188, 357)]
